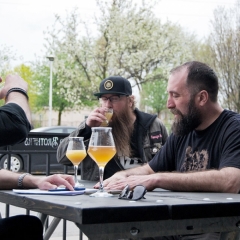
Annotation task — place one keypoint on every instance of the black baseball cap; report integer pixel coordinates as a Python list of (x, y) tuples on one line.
[(114, 85)]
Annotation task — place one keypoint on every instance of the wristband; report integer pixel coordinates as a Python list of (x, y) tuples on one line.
[(20, 179), (20, 90)]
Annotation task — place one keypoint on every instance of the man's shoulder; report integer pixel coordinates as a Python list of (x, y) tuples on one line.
[(143, 116), (10, 107), (151, 122), (228, 114)]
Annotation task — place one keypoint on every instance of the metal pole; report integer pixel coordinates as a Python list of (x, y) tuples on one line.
[(50, 96), (51, 59)]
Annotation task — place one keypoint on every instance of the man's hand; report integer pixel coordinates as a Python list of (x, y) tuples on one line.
[(96, 117), (12, 81), (53, 181), (145, 180), (114, 180)]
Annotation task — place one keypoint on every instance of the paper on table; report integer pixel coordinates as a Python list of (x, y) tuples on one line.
[(46, 192)]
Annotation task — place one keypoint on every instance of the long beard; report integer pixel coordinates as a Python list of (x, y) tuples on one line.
[(188, 122), (122, 130)]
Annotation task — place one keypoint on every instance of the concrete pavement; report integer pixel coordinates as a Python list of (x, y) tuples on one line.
[(72, 229)]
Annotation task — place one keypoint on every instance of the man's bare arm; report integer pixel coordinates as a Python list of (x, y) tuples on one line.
[(224, 180), (9, 180)]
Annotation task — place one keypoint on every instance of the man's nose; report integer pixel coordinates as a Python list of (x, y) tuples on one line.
[(108, 103), (170, 103)]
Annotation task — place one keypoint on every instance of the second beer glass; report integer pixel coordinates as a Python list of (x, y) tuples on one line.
[(101, 149)]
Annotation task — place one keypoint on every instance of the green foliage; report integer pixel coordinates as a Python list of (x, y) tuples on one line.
[(154, 94), (27, 74)]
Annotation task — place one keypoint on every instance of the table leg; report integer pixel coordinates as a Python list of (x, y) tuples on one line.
[(51, 228)]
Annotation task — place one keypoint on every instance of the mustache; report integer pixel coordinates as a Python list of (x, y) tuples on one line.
[(175, 111)]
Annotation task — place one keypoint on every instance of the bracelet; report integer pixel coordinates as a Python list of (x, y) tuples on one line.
[(20, 179), (20, 90)]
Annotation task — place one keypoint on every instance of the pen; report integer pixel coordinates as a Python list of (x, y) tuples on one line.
[(66, 189)]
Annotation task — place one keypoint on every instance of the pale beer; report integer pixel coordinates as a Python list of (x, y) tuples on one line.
[(101, 154), (76, 156), (108, 114)]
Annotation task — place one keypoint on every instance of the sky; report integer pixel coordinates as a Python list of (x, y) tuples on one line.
[(23, 22)]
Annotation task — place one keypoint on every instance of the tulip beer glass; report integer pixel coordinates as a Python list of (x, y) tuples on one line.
[(76, 152), (101, 149)]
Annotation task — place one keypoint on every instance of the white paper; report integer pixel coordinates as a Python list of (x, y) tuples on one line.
[(46, 192)]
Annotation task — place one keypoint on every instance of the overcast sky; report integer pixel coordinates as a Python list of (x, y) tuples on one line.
[(22, 22)]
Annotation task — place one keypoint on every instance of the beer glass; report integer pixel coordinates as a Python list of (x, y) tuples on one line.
[(108, 115), (101, 149), (76, 152)]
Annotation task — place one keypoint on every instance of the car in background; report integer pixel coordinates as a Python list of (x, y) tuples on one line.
[(55, 129), (37, 154)]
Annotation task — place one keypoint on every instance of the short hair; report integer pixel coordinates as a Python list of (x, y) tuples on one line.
[(200, 77)]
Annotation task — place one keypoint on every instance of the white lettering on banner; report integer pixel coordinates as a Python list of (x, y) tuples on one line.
[(53, 142)]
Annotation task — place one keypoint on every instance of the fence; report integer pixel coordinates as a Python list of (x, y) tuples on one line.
[(36, 155)]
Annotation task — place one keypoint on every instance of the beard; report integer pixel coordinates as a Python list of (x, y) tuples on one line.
[(188, 122), (122, 129)]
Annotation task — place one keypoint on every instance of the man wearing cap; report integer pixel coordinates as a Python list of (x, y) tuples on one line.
[(138, 136)]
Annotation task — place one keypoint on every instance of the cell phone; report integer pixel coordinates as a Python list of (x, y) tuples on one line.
[(66, 189)]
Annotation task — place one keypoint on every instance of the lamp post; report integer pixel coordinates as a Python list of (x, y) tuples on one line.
[(51, 59)]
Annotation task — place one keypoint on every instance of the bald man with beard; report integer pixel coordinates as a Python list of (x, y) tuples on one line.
[(138, 135)]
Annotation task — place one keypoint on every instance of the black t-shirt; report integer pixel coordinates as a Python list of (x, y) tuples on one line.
[(215, 147), (14, 125)]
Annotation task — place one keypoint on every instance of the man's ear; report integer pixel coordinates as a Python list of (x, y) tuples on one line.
[(202, 97), (131, 100)]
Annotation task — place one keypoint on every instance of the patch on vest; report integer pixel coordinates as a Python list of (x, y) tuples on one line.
[(156, 137)]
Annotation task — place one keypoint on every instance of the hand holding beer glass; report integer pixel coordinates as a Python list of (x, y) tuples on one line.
[(76, 152), (101, 149), (108, 115)]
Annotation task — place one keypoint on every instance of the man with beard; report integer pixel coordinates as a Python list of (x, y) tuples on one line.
[(203, 151), (138, 136)]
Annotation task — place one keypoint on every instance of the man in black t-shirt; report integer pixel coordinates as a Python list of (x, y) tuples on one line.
[(203, 151)]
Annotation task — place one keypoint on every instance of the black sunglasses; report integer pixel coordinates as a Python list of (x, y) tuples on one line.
[(137, 193)]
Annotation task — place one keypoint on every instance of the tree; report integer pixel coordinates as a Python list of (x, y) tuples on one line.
[(130, 41), (41, 84), (137, 43), (224, 42), (154, 95), (73, 81)]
